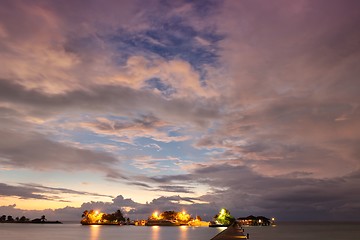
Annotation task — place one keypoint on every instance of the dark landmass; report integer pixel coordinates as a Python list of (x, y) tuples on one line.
[(23, 219)]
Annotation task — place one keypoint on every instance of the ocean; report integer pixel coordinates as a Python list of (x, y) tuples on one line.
[(283, 231)]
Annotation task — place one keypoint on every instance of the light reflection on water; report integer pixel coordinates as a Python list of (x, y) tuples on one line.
[(98, 232), (283, 231), (150, 233), (94, 232), (183, 232), (155, 232)]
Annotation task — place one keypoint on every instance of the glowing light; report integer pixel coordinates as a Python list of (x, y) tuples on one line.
[(183, 217), (94, 232), (183, 228), (272, 219), (155, 215), (155, 232), (96, 212)]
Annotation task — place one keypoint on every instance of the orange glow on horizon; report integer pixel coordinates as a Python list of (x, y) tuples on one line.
[(35, 204)]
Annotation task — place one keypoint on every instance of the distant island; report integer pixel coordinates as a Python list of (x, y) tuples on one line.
[(256, 221), (167, 218), (94, 217), (23, 219), (173, 218)]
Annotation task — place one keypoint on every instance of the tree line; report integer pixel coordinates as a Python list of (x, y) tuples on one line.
[(96, 217), (23, 219)]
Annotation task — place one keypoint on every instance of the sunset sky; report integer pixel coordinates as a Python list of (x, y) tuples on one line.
[(168, 105)]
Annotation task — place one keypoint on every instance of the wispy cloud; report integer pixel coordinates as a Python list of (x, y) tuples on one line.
[(36, 191)]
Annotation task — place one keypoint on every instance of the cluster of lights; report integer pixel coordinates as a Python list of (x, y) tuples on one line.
[(180, 216), (94, 216)]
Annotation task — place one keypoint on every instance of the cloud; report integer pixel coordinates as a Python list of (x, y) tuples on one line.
[(36, 191), (155, 146), (125, 47), (176, 189), (22, 192), (287, 86), (261, 98), (115, 99), (158, 164), (147, 126), (281, 196), (35, 151), (57, 190)]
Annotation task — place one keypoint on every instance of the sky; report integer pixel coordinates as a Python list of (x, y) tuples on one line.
[(180, 105)]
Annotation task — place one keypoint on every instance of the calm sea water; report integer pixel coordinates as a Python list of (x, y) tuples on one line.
[(283, 231)]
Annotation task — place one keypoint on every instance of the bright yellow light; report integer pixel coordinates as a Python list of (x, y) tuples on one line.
[(155, 215), (222, 211), (96, 212), (272, 219), (183, 212)]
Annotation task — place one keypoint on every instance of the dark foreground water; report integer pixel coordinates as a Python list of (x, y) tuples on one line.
[(283, 231)]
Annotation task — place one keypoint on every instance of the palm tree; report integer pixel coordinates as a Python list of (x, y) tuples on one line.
[(85, 213), (85, 217), (119, 216), (43, 219)]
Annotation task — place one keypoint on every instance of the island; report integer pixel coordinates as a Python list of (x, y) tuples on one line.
[(95, 217), (222, 219), (23, 219), (173, 218)]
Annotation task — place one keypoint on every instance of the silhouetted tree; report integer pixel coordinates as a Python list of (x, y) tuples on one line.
[(43, 218), (109, 217), (119, 216), (85, 217), (17, 219), (169, 215), (85, 213), (3, 218), (10, 219), (23, 219)]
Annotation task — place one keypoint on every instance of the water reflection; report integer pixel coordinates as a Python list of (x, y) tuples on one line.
[(155, 232), (94, 232), (184, 230)]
